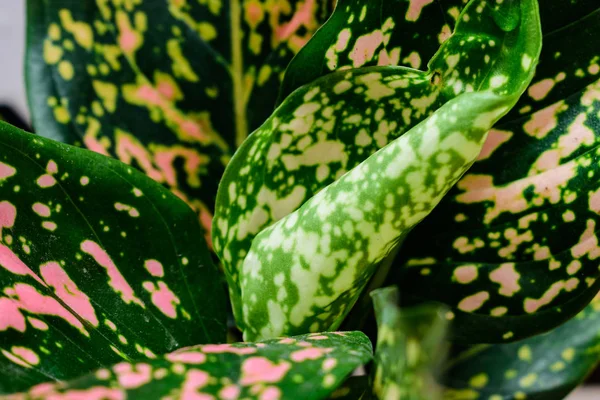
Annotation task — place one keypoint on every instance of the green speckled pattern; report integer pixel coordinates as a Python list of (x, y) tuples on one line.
[(327, 128)]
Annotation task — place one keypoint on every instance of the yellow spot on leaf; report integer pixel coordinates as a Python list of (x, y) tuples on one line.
[(181, 66), (65, 69), (108, 93), (81, 31)]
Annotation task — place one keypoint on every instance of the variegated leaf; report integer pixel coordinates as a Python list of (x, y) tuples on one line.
[(398, 32), (513, 248), (410, 348), (98, 263), (302, 367), (544, 367), (329, 127), (378, 32), (170, 87), (305, 272)]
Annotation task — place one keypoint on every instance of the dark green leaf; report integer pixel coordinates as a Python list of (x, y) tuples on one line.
[(354, 388), (513, 247), (544, 367), (378, 32), (410, 348), (303, 367), (170, 87), (327, 128), (98, 263)]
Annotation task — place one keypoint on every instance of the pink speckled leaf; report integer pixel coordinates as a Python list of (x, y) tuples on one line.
[(304, 367), (98, 264), (169, 87), (513, 248)]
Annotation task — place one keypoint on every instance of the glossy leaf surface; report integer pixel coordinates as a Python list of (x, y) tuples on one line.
[(513, 248), (378, 32), (302, 367), (325, 129), (410, 348), (170, 87), (544, 367), (98, 263), (317, 264)]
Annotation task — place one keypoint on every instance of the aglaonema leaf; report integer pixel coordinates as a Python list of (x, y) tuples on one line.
[(544, 367), (380, 32), (399, 32), (513, 248), (301, 367), (98, 264), (170, 87), (317, 260), (329, 127), (410, 348)]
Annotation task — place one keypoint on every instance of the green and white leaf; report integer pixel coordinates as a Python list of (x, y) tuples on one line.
[(170, 87), (544, 367), (302, 367), (329, 127), (410, 348), (98, 264), (513, 248)]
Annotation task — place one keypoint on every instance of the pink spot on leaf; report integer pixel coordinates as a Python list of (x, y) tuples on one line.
[(230, 392), (26, 355), (495, 139), (508, 279), (312, 353), (8, 214), (6, 171), (415, 8), (163, 298), (13, 264), (227, 348), (131, 377), (155, 268), (261, 370), (41, 209), (10, 315), (66, 290), (194, 381), (52, 168), (116, 280), (186, 357), (46, 181), (29, 299), (270, 393)]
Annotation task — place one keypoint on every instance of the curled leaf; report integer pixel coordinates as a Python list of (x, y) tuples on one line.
[(327, 128)]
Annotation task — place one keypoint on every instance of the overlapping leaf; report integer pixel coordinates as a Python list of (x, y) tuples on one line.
[(329, 127), (544, 367), (170, 87), (513, 248), (302, 367), (98, 263), (410, 348), (378, 32)]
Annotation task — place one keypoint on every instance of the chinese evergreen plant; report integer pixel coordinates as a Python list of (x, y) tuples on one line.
[(315, 179)]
